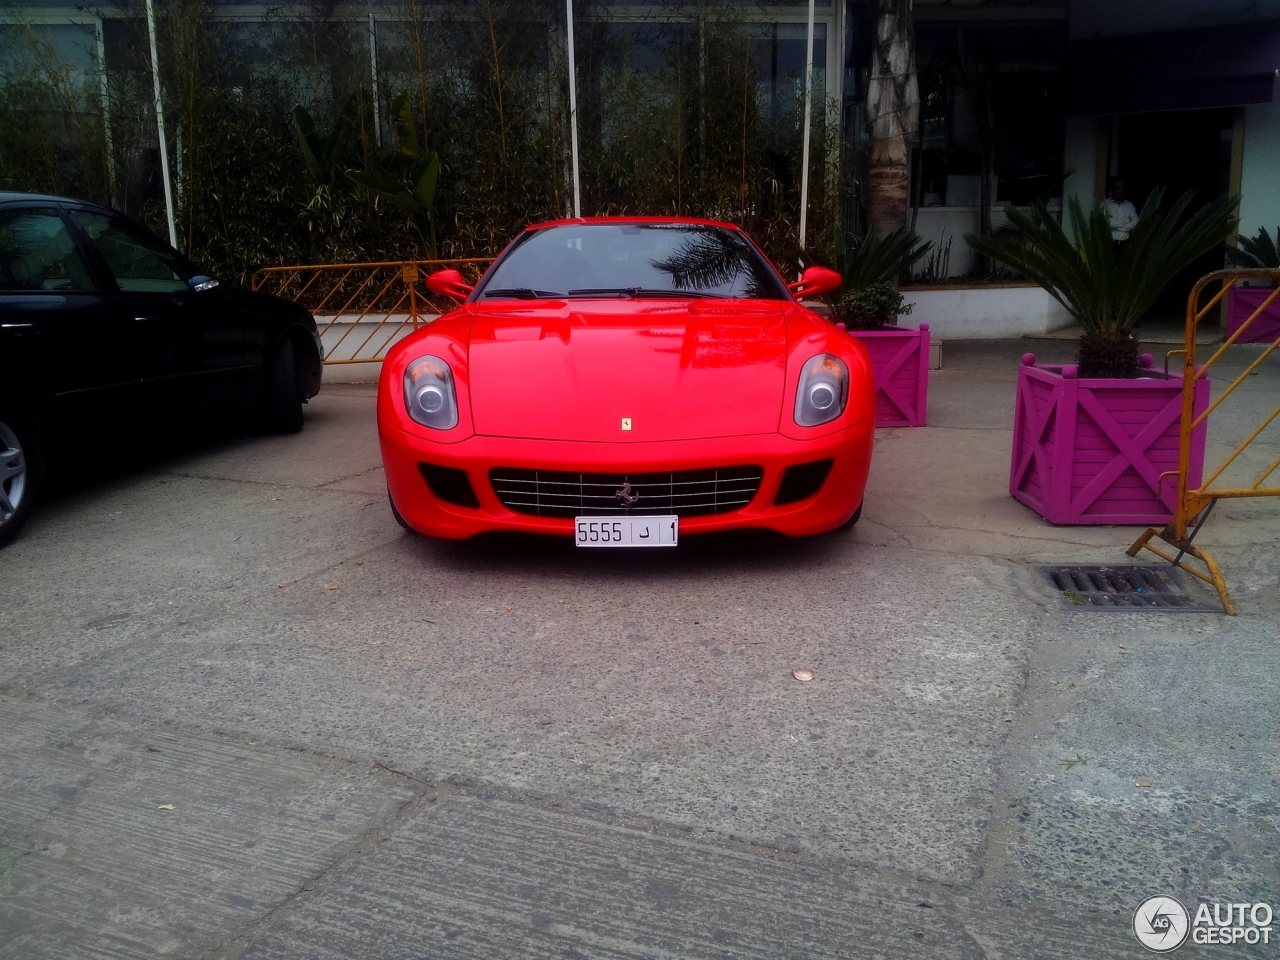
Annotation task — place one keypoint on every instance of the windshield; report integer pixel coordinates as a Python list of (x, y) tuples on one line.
[(633, 260)]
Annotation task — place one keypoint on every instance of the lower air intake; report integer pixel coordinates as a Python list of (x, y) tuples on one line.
[(450, 485), (802, 481)]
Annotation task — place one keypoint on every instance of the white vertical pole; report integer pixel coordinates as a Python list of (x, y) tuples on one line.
[(573, 113), (164, 146), (373, 70), (835, 84), (106, 110), (808, 109)]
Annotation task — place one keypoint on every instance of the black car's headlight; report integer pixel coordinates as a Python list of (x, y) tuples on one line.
[(823, 390), (429, 395)]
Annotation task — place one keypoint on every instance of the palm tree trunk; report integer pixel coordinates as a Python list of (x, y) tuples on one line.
[(893, 115)]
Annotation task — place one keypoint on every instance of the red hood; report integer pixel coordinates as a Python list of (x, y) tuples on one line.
[(680, 370)]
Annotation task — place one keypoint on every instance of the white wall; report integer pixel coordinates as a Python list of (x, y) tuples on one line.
[(1260, 176), (984, 313), (940, 224)]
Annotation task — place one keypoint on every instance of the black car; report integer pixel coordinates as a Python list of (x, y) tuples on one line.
[(110, 339)]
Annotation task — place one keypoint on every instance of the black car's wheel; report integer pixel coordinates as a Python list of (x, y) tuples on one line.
[(282, 409), (17, 487)]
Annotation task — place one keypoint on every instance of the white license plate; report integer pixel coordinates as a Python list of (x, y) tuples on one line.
[(626, 531)]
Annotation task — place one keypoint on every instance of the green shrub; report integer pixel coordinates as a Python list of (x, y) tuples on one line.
[(871, 307)]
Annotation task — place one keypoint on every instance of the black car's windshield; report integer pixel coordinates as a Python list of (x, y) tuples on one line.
[(633, 260)]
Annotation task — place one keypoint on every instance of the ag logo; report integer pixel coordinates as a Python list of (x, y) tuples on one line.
[(1161, 924)]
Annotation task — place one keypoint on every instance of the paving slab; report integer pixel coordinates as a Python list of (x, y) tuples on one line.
[(123, 841), (486, 876)]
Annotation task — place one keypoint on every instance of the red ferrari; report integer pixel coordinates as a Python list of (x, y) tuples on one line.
[(625, 381)]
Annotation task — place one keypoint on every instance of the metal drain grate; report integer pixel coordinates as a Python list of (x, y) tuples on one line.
[(1125, 588)]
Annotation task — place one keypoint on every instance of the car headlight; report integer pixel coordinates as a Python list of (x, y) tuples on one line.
[(823, 391), (429, 395)]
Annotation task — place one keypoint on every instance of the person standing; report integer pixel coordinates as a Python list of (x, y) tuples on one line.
[(1121, 213)]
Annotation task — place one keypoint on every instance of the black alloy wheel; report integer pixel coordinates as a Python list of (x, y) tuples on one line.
[(16, 480)]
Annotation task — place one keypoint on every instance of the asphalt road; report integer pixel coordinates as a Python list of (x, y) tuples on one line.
[(243, 714)]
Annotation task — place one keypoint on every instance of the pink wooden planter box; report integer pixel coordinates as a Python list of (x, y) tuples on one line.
[(1092, 451), (900, 359), (1241, 302)]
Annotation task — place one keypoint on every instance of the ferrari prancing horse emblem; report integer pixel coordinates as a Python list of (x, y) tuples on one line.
[(626, 497), (626, 423)]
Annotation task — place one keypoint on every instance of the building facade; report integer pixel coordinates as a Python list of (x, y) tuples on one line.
[(1044, 99)]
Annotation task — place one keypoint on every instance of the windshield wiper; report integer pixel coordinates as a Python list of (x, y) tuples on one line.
[(680, 294), (522, 293), (605, 292), (639, 292)]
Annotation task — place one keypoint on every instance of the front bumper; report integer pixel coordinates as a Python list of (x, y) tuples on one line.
[(831, 506)]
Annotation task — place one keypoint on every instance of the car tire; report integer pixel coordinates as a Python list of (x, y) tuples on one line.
[(396, 513), (17, 476), (852, 521), (282, 408)]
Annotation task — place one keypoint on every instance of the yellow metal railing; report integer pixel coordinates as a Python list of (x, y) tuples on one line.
[(1195, 504), (361, 309)]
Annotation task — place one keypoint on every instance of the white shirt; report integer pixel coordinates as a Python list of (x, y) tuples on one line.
[(1122, 216)]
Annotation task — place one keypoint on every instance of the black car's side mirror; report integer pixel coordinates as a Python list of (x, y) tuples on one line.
[(202, 283)]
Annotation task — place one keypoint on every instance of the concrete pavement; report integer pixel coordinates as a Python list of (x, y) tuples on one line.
[(243, 714)]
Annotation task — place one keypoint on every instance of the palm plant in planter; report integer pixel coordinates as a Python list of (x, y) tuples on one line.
[(1104, 285), (1254, 253), (1097, 442), (1258, 252), (869, 298)]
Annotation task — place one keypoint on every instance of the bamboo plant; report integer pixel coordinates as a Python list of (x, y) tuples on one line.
[(406, 178), (670, 115), (325, 153)]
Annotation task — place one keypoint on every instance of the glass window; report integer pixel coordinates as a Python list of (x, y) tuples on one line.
[(139, 263), (38, 253), (633, 259), (779, 55)]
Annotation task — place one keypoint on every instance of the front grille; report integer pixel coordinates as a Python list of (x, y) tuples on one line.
[(689, 493)]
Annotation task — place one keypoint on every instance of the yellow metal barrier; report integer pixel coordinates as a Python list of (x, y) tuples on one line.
[(1195, 504), (363, 308)]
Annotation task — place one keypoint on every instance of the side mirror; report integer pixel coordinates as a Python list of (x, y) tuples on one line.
[(201, 283), (816, 280), (450, 283)]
